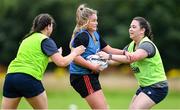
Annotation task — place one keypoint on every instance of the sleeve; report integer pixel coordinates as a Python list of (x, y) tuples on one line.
[(49, 47), (149, 48), (102, 43), (81, 39)]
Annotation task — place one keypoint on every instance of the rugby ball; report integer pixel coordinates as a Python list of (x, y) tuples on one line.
[(95, 59)]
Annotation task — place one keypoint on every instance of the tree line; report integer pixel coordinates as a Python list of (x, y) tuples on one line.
[(114, 17)]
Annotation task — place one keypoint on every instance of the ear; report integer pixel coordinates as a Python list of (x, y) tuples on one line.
[(49, 26), (46, 28), (142, 30)]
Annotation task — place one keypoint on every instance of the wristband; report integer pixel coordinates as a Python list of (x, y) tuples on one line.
[(110, 57), (124, 52)]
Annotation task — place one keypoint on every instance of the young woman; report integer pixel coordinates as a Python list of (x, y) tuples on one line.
[(146, 64), (25, 72), (83, 74)]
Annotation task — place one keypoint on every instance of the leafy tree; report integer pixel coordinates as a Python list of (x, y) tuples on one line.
[(114, 18)]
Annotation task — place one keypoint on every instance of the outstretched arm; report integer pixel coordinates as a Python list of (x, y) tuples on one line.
[(113, 58), (84, 63), (109, 49), (139, 54), (59, 60)]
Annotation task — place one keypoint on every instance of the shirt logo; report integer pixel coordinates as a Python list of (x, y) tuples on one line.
[(135, 69), (149, 92)]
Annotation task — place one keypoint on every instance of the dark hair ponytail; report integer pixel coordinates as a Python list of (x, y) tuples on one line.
[(40, 22)]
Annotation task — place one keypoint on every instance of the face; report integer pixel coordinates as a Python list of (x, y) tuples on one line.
[(92, 25), (135, 30)]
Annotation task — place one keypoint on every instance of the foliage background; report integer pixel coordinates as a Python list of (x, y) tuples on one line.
[(114, 19)]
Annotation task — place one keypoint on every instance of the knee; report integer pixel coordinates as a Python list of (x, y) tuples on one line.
[(133, 107)]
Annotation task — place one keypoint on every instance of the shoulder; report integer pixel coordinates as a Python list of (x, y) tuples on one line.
[(49, 47), (83, 36), (149, 47), (147, 44), (48, 41)]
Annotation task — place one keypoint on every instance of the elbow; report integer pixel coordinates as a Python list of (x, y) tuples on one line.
[(132, 59), (62, 63)]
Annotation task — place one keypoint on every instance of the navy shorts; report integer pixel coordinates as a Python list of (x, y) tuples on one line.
[(85, 84), (21, 85), (157, 94)]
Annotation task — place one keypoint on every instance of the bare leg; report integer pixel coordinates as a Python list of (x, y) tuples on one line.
[(39, 102), (142, 101), (132, 101), (10, 103), (97, 100)]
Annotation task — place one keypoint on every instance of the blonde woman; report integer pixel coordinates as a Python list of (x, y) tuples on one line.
[(84, 75)]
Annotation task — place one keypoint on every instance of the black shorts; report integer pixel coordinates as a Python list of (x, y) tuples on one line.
[(156, 93), (21, 85), (85, 84)]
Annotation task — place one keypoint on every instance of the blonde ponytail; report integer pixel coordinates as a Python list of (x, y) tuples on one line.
[(82, 20)]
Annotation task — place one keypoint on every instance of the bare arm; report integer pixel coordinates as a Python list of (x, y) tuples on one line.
[(120, 58), (113, 58), (109, 49), (139, 54), (84, 63), (59, 60)]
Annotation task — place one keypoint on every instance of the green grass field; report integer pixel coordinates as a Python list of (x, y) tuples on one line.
[(119, 99), (118, 91)]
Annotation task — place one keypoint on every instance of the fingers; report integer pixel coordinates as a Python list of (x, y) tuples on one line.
[(60, 50), (103, 55), (79, 50), (100, 55), (101, 69), (82, 46)]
